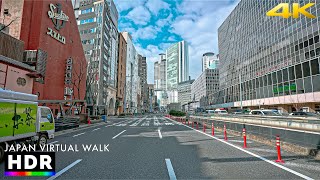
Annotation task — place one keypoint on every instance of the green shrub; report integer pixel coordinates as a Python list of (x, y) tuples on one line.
[(177, 113)]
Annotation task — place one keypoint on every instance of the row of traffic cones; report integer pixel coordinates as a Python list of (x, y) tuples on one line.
[(183, 121)]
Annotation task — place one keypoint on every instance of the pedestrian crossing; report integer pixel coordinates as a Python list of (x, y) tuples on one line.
[(146, 122)]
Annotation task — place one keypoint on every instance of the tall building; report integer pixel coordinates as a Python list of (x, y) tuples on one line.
[(121, 80), (143, 82), (205, 86), (184, 93), (210, 61), (275, 60), (160, 77), (177, 66), (53, 48), (132, 77), (177, 57), (98, 27)]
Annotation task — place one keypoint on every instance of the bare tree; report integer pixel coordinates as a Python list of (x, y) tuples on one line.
[(78, 77), (3, 27)]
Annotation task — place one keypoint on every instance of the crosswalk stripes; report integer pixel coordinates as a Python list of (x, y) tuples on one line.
[(146, 121)]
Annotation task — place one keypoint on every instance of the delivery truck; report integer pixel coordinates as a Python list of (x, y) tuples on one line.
[(22, 121)]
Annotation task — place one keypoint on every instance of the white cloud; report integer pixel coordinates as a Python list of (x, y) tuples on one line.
[(124, 5), (198, 24), (149, 32), (139, 15), (165, 21), (156, 5)]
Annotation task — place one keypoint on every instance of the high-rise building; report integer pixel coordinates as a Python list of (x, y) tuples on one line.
[(121, 80), (143, 82), (177, 66), (98, 27), (177, 57), (205, 86), (132, 77), (274, 61), (184, 93), (160, 80), (210, 61)]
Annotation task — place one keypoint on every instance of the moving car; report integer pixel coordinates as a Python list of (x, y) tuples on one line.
[(23, 121), (221, 111)]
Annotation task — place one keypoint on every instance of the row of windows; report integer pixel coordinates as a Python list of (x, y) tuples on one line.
[(90, 41), (86, 10), (291, 73), (307, 43), (85, 21), (87, 31)]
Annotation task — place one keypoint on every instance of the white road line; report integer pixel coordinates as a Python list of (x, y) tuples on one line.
[(118, 134), (252, 154), (160, 135), (53, 142), (79, 134), (64, 170), (172, 175), (96, 129)]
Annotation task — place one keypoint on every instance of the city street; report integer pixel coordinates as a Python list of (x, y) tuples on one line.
[(153, 147)]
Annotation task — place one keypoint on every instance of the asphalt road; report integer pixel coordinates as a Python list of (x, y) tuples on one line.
[(153, 147)]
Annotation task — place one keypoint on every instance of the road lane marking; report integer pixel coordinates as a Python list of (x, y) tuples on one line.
[(172, 175), (64, 170), (252, 154), (96, 129), (118, 134), (53, 142), (79, 134), (160, 135)]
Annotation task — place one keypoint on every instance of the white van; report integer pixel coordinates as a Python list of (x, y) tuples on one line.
[(221, 111)]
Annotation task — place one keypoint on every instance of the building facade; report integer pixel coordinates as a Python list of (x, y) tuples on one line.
[(184, 92), (98, 27), (205, 86), (274, 61), (160, 69), (132, 77), (121, 80), (59, 76), (143, 82), (177, 69), (210, 61)]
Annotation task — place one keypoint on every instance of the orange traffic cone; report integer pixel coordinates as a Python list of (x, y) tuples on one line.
[(89, 120)]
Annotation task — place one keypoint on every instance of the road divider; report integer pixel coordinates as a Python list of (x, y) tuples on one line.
[(119, 134), (78, 134), (160, 135), (244, 137), (170, 169), (255, 155), (64, 170), (278, 150)]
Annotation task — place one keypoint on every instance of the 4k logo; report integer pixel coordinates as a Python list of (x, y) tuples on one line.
[(296, 10)]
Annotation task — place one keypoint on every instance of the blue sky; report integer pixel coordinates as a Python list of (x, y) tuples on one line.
[(156, 24)]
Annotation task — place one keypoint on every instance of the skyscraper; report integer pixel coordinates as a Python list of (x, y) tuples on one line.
[(177, 57), (97, 23), (143, 82), (210, 61), (160, 80)]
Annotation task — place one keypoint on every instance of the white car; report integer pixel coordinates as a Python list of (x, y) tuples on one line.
[(220, 111), (265, 112)]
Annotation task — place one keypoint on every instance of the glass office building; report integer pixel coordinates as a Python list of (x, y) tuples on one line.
[(274, 60)]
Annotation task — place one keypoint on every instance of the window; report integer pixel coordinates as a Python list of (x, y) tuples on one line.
[(316, 84), (298, 71), (316, 39), (305, 44), (312, 53), (306, 69), (85, 21), (86, 10), (291, 73), (301, 45), (315, 67), (269, 79), (307, 84), (279, 74), (285, 74), (274, 78), (311, 41), (46, 115), (307, 55)]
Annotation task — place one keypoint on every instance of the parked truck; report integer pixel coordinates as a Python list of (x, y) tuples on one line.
[(22, 121)]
